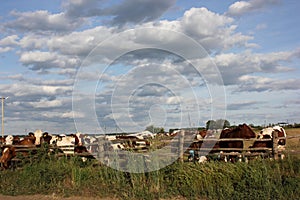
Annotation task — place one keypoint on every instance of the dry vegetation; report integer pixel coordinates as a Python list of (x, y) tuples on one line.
[(293, 144)]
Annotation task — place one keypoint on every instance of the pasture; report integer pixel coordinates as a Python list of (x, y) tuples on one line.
[(293, 144), (67, 177)]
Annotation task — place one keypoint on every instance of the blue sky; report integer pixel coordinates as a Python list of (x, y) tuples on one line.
[(102, 66)]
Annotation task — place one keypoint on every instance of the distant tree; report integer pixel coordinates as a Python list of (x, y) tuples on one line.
[(211, 124), (154, 129), (218, 124), (296, 125), (223, 123), (162, 130)]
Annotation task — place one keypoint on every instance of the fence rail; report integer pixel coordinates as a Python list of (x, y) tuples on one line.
[(181, 145)]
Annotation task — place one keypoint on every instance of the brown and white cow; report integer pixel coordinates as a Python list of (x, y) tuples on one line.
[(9, 152), (267, 133)]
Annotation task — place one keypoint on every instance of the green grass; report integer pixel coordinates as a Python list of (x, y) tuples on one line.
[(259, 179)]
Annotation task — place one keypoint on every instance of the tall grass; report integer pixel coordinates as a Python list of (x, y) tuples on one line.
[(259, 179)]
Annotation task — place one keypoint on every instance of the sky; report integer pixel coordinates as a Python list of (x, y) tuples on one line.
[(99, 66)]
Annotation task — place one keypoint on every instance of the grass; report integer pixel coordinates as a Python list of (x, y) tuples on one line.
[(293, 143), (258, 179)]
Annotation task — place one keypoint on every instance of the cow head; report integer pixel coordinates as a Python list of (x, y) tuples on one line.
[(38, 135), (9, 140), (281, 134), (46, 138)]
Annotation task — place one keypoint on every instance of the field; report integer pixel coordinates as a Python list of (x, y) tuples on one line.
[(50, 178), (293, 143)]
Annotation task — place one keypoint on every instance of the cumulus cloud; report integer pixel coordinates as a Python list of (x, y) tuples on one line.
[(139, 11), (242, 7), (42, 61), (52, 46), (10, 40), (5, 49), (42, 21), (233, 66), (128, 11), (213, 31), (29, 91), (47, 104), (250, 83), (81, 8)]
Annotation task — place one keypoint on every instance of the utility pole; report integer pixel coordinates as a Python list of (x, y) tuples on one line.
[(2, 101)]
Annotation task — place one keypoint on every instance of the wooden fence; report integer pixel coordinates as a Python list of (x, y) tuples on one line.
[(245, 152), (182, 146)]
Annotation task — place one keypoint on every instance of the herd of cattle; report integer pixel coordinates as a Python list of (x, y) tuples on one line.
[(231, 141), (89, 145)]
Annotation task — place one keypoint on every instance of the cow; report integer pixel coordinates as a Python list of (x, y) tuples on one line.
[(91, 143), (9, 140), (208, 145), (134, 141), (9, 152), (64, 143), (70, 145), (267, 133), (242, 131), (38, 134)]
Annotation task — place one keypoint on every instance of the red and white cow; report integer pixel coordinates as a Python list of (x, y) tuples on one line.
[(267, 133)]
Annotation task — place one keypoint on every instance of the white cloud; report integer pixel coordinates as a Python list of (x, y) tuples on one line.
[(256, 83), (34, 91), (233, 66), (242, 7), (5, 49), (33, 41), (209, 23), (79, 43), (41, 61), (49, 47), (37, 56), (10, 40), (61, 115), (47, 104), (42, 21)]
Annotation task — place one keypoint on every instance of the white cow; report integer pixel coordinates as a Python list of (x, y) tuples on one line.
[(64, 143)]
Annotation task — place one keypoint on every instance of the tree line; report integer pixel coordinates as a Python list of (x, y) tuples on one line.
[(215, 124)]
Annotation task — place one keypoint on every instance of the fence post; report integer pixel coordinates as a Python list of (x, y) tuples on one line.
[(275, 144), (181, 142)]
